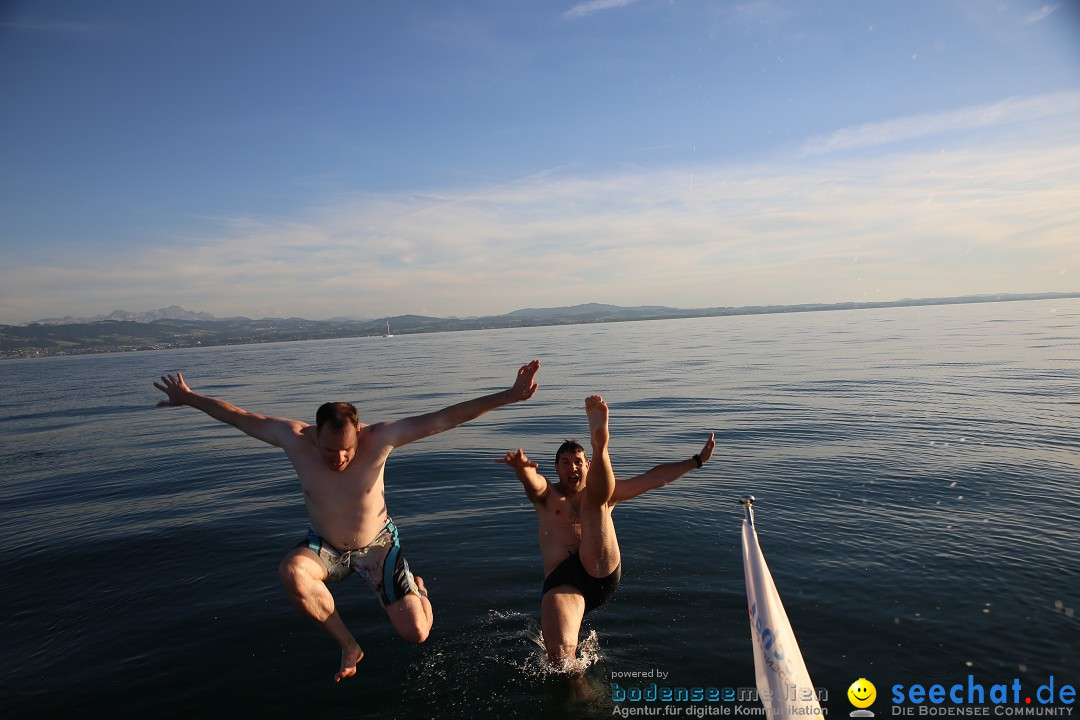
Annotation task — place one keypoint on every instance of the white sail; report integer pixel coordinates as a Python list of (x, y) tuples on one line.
[(783, 684)]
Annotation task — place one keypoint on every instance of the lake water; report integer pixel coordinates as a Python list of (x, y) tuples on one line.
[(916, 475)]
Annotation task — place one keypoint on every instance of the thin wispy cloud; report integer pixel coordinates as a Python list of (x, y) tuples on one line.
[(1041, 14), (583, 9), (847, 228), (1007, 111)]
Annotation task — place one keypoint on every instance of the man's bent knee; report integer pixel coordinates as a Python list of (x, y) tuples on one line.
[(410, 619), (415, 634), (295, 568), (412, 629), (289, 573)]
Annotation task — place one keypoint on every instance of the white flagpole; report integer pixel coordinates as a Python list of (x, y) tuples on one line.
[(783, 684)]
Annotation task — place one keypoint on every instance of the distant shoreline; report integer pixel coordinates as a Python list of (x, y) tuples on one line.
[(111, 336)]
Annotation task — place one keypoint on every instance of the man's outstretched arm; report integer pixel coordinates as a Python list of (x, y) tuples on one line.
[(402, 432), (276, 431), (662, 474), (535, 484)]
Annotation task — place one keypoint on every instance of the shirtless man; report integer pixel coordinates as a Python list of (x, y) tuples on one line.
[(582, 564), (340, 462)]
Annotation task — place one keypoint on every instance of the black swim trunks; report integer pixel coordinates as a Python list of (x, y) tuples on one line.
[(596, 591)]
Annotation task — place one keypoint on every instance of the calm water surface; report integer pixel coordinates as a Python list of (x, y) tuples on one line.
[(916, 471)]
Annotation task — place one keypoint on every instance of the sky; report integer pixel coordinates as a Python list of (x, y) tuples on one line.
[(368, 159)]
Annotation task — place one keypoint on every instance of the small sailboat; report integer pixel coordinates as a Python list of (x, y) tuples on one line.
[(388, 333)]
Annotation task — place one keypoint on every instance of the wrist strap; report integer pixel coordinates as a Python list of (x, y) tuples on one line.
[(697, 459)]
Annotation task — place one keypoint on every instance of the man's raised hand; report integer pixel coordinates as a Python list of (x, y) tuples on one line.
[(517, 460), (706, 452), (175, 388), (524, 387)]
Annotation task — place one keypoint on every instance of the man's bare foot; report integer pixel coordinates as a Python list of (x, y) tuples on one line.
[(597, 412), (349, 658)]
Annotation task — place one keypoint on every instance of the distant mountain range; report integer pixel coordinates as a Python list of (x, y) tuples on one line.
[(174, 327), (173, 312), (591, 310)]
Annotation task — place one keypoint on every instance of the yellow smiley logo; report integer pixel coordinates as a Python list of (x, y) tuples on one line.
[(862, 693)]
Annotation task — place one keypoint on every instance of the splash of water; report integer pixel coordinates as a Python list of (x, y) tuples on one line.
[(538, 664)]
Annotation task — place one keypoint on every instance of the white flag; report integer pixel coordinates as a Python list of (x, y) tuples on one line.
[(783, 684)]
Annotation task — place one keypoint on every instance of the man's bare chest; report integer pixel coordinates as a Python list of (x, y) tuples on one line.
[(355, 482), (562, 516)]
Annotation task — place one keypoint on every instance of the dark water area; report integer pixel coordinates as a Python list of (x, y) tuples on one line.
[(916, 475)]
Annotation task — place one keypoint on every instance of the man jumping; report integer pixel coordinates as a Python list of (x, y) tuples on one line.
[(582, 563), (340, 463)]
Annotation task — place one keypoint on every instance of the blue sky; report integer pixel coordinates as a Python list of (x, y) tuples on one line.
[(469, 158)]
